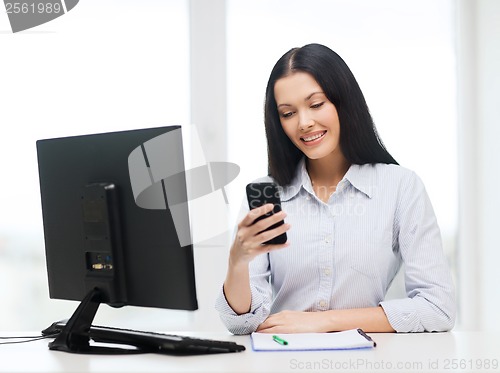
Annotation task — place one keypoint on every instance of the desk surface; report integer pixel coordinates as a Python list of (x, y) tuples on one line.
[(425, 352)]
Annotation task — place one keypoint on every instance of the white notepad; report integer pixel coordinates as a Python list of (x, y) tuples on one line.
[(346, 340)]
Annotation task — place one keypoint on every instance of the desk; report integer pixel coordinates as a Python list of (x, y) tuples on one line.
[(426, 352)]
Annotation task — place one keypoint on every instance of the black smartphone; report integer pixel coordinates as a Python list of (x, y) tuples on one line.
[(259, 194)]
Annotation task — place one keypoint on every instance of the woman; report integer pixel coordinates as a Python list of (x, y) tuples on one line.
[(352, 215)]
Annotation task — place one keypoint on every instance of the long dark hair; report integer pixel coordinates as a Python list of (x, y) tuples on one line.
[(359, 140)]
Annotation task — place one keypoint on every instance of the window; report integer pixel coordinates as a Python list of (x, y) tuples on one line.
[(104, 66)]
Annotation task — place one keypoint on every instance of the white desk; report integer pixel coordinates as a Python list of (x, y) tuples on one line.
[(435, 352)]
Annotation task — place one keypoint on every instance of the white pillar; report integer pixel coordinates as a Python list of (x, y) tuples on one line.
[(479, 113), (208, 75)]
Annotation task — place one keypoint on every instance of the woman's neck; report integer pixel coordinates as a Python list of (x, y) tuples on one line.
[(326, 173)]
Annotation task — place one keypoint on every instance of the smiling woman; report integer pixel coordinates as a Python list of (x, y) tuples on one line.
[(334, 271), (308, 110), (311, 122), (299, 110), (408, 74)]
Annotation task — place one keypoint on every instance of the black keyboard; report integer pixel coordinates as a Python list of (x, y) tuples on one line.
[(163, 343), (156, 342)]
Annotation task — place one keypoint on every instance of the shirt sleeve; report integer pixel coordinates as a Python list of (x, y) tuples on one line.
[(430, 305), (261, 300), (260, 287)]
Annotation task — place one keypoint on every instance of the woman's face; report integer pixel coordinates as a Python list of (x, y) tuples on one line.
[(308, 118)]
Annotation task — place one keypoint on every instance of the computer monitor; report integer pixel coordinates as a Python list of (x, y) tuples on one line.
[(100, 245)]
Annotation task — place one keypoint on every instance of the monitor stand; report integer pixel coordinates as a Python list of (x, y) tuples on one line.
[(75, 336)]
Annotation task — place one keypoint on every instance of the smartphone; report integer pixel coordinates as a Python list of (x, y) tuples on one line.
[(259, 194)]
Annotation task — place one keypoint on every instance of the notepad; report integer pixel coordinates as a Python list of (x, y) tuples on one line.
[(345, 340)]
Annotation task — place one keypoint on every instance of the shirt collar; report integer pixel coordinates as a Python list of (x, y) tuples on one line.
[(361, 177), (301, 179)]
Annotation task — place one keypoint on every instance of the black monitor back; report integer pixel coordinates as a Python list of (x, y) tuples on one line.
[(158, 271)]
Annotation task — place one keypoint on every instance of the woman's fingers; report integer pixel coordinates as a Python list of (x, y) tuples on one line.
[(265, 236), (251, 235)]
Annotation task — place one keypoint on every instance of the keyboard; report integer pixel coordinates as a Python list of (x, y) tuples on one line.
[(155, 342)]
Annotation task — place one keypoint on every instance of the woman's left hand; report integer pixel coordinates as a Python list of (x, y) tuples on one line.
[(296, 322)]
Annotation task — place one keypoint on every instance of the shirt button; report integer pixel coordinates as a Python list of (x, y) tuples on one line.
[(328, 239), (322, 304), (327, 271)]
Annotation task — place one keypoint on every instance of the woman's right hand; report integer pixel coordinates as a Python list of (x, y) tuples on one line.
[(250, 236)]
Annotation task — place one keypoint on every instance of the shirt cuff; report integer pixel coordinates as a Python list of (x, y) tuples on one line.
[(416, 314), (402, 315)]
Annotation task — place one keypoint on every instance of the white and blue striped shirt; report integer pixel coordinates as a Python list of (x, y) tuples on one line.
[(345, 253)]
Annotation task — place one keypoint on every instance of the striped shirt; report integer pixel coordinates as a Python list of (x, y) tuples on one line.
[(345, 253)]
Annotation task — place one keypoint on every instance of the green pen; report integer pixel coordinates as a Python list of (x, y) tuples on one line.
[(279, 340)]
